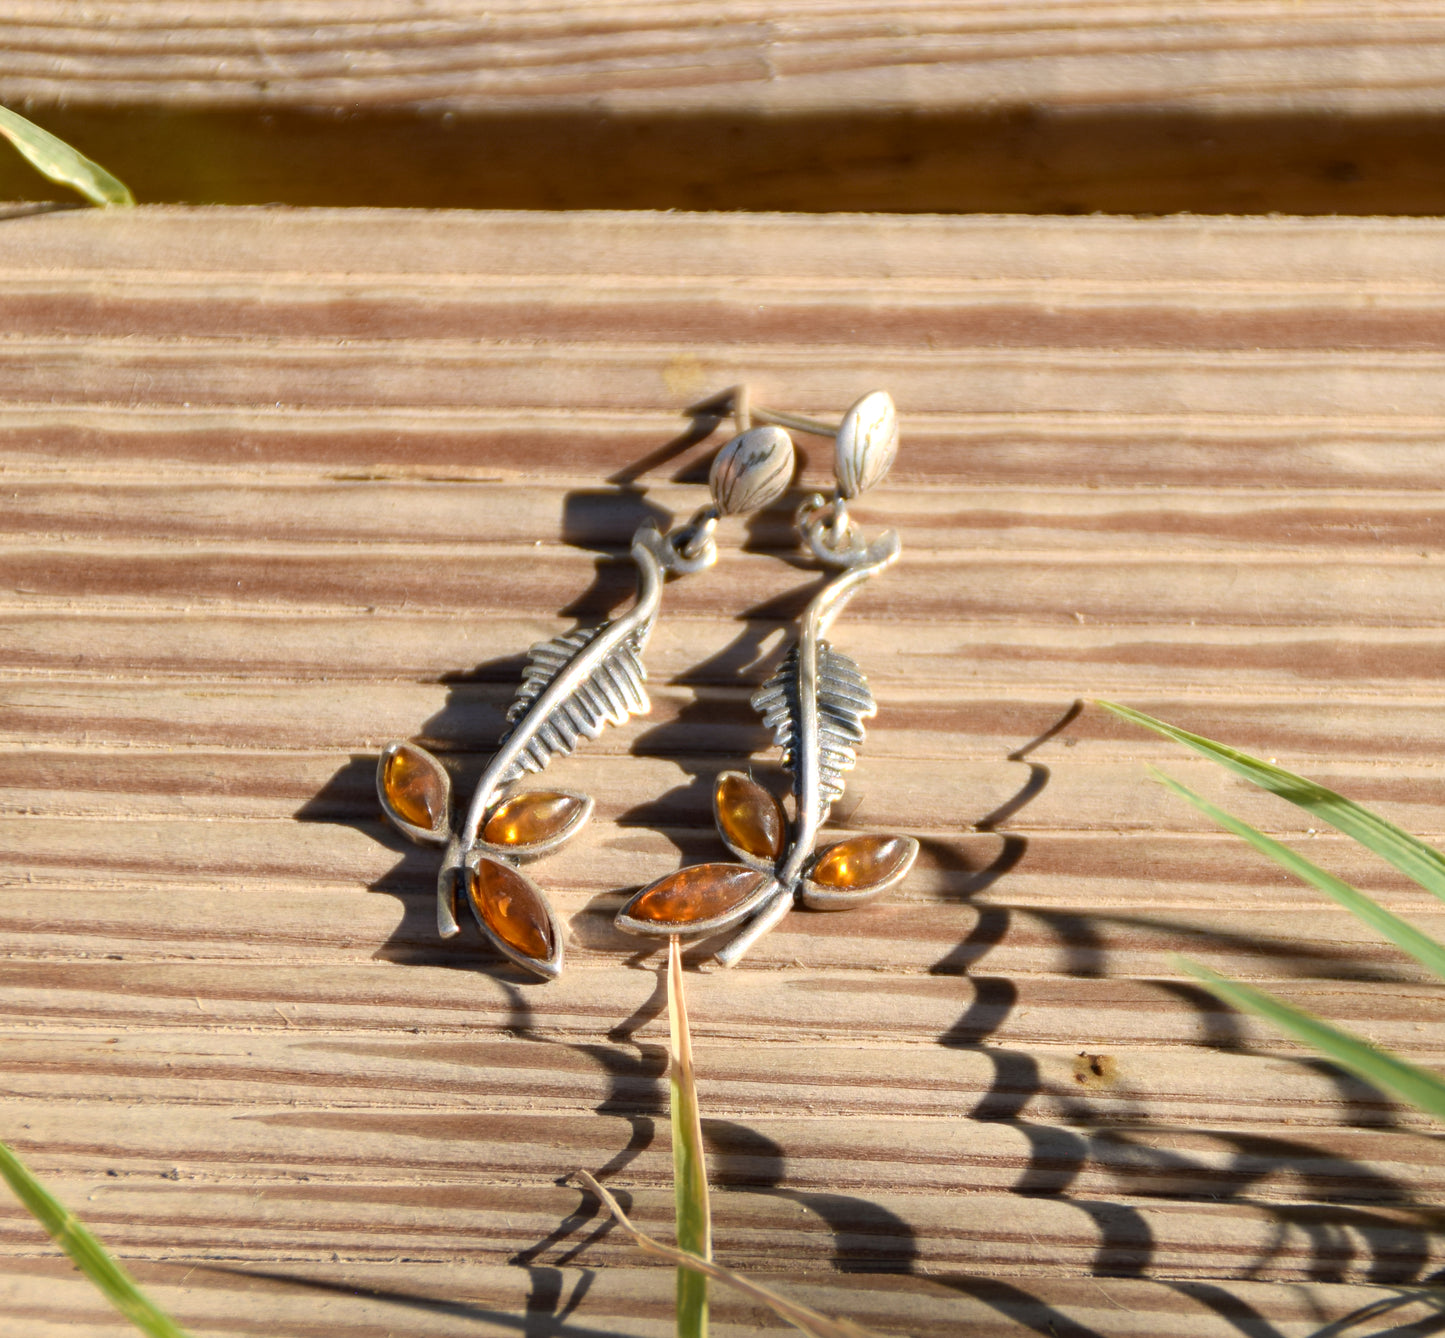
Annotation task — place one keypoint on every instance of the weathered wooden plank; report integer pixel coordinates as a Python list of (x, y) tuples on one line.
[(953, 381), (1295, 260), (785, 1003), (465, 718), (1265, 589), (945, 794), (461, 1297), (1018, 446), (294, 1136), (705, 55), (307, 927), (370, 1184), (888, 1232), (158, 894), (978, 413), (496, 515), (1014, 658), (1191, 465), (1144, 1089)]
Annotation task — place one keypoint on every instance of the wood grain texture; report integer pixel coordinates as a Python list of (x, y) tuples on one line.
[(1223, 106), (706, 54), (280, 486)]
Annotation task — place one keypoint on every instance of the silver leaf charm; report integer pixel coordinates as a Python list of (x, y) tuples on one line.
[(842, 703), (611, 691), (867, 442)]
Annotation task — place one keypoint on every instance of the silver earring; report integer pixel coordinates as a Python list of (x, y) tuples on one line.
[(572, 688), (815, 704)]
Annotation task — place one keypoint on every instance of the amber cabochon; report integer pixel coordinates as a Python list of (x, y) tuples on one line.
[(695, 900), (507, 903), (416, 787), (538, 817), (750, 819)]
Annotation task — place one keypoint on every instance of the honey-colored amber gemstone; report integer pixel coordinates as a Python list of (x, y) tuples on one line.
[(861, 861), (691, 896), (525, 819), (748, 816), (510, 907), (416, 787)]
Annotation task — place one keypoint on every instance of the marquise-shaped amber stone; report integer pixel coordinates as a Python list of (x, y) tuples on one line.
[(861, 861), (749, 817), (416, 787), (510, 907), (693, 895), (525, 819)]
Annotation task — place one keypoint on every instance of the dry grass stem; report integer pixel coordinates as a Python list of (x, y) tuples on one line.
[(808, 1320)]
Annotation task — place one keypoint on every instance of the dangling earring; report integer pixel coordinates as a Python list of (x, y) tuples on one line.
[(572, 688), (815, 704)]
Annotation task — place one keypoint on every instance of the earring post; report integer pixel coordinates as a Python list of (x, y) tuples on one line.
[(812, 426)]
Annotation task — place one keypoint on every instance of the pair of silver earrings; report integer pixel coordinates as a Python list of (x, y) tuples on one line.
[(578, 683)]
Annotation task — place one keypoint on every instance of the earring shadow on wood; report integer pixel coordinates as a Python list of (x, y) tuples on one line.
[(866, 1237), (1123, 1140)]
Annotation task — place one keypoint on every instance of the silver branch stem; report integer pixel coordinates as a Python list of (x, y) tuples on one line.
[(806, 750), (634, 625)]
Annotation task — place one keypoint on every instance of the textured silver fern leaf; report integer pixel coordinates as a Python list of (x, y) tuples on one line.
[(843, 702), (611, 693)]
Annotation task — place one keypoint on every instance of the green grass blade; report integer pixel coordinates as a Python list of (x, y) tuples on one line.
[(1412, 856), (87, 1253), (1377, 1067), (1401, 933), (54, 158), (689, 1171)]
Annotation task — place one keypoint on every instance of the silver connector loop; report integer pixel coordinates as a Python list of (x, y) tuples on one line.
[(693, 547), (829, 532)]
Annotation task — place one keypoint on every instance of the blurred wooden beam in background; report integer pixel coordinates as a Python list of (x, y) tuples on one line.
[(1221, 106)]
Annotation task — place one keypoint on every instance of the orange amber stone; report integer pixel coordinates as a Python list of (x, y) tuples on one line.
[(748, 816), (861, 861), (525, 819), (510, 907), (416, 787), (693, 895)]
